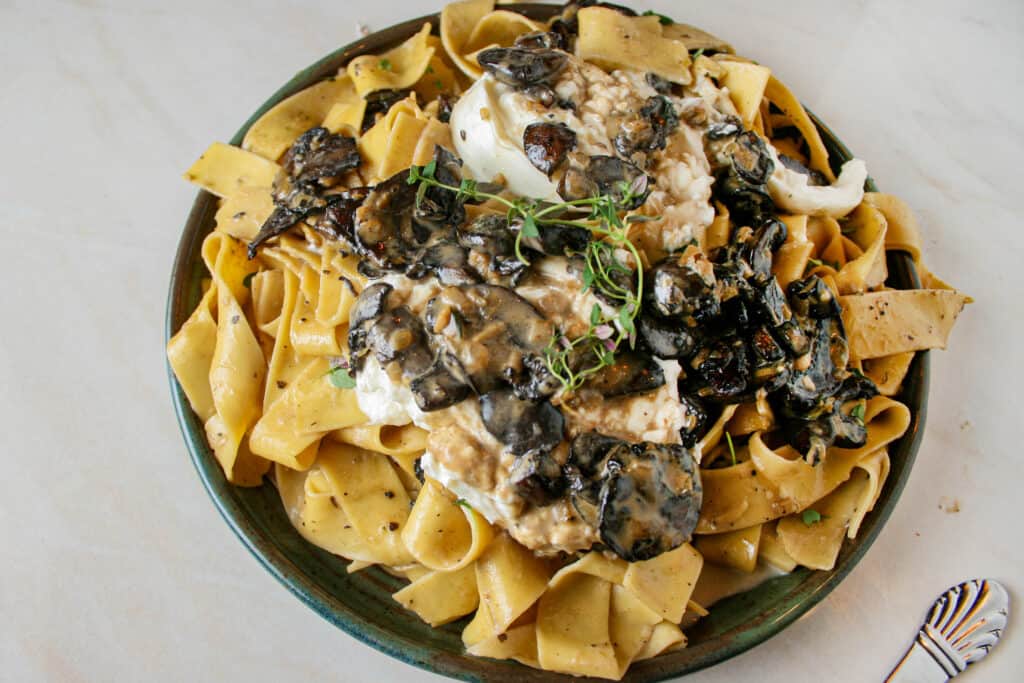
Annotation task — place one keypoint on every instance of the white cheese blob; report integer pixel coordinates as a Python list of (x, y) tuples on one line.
[(487, 128), (792, 191), (383, 400), (486, 503)]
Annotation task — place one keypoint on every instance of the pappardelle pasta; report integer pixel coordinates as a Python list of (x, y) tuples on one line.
[(551, 319)]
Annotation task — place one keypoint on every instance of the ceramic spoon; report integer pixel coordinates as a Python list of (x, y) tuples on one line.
[(963, 625)]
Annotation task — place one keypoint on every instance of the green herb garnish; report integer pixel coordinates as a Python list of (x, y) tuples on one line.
[(340, 378), (858, 412), (732, 450), (811, 517), (662, 19), (697, 54), (462, 502), (572, 361), (385, 64)]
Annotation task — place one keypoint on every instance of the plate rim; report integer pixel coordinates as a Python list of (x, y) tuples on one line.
[(181, 298)]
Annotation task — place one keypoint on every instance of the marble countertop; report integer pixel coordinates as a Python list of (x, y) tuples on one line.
[(115, 564)]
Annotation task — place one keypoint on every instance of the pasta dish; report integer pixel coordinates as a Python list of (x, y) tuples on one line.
[(574, 325)]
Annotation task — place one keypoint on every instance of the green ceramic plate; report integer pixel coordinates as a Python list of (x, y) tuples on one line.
[(361, 603)]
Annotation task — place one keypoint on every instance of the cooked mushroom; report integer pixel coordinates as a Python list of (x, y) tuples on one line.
[(541, 40), (644, 498), (696, 421), (523, 426), (398, 335), (650, 129), (520, 67), (537, 478), (683, 288), (489, 234), (338, 219), (615, 178), (438, 388), (758, 250), (379, 102), (437, 208), (742, 167), (384, 230), (721, 370), (448, 262), (661, 85), (547, 145), (280, 220), (490, 330), (631, 373), (563, 240), (650, 503), (320, 155), (370, 304), (667, 338)]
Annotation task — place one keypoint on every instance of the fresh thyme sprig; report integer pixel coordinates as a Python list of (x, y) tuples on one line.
[(572, 361)]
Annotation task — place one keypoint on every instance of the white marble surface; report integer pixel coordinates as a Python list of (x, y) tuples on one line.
[(114, 565)]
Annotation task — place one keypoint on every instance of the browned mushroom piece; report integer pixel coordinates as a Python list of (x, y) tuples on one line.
[(520, 67), (547, 145)]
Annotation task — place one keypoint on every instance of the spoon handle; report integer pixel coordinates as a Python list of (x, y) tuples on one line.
[(963, 625)]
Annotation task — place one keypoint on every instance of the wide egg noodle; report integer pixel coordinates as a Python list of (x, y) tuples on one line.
[(613, 40), (190, 353), (774, 483), (790, 261), (311, 502), (443, 535), (737, 549), (274, 132), (309, 407), (336, 290), (510, 579), (224, 169), (390, 144), (779, 95), (518, 643), (866, 226), (896, 321), (772, 551), (573, 634), (404, 444), (372, 496), (395, 69), (746, 83), (458, 20), (816, 545), (242, 213), (888, 372), (440, 597), (310, 335), (665, 583), (237, 367)]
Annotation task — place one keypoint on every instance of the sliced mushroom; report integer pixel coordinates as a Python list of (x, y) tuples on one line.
[(520, 67), (399, 336), (490, 235), (721, 370), (438, 388), (541, 40), (667, 338), (617, 178), (661, 85), (650, 503), (438, 208), (338, 220), (683, 288), (631, 373), (644, 498), (547, 145), (378, 103), (523, 426), (696, 421), (369, 305), (384, 231), (446, 261), (563, 240), (537, 478), (650, 129), (279, 221), (742, 168)]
